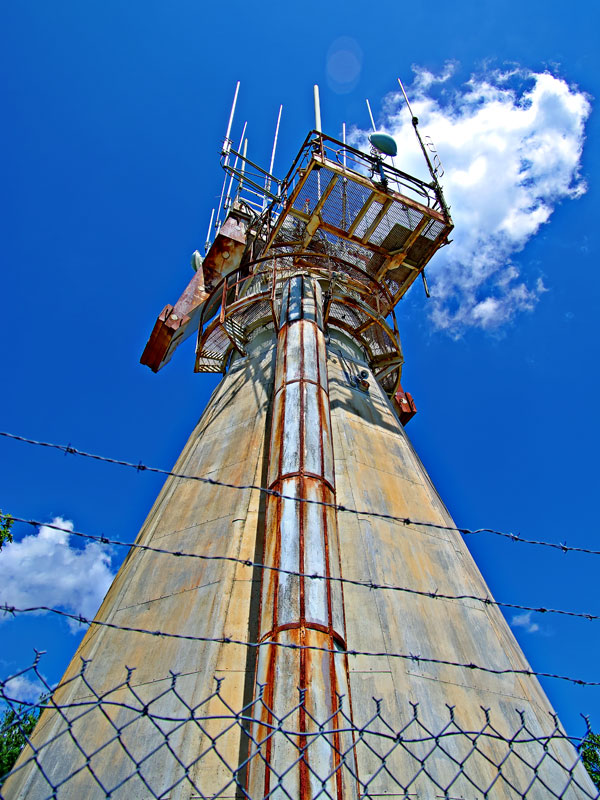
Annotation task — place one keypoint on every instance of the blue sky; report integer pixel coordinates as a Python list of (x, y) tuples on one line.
[(113, 116)]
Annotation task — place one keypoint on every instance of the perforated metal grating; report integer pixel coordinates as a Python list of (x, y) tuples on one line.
[(221, 338), (377, 229), (339, 221)]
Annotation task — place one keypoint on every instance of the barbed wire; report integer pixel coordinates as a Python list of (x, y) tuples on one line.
[(140, 467), (414, 657), (124, 737), (371, 585)]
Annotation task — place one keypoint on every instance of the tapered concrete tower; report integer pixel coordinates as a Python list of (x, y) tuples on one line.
[(294, 304)]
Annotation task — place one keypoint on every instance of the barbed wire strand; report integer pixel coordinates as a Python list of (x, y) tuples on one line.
[(140, 467), (372, 585), (417, 658)]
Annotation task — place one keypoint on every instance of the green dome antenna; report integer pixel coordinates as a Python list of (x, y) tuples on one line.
[(384, 143)]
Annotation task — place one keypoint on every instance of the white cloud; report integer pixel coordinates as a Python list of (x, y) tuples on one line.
[(424, 78), (511, 147), (524, 621), (23, 689), (43, 569)]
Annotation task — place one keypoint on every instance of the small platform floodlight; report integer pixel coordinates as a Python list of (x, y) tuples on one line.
[(384, 143)]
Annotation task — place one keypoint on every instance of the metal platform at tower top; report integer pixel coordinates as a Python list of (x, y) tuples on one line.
[(363, 228), (338, 199)]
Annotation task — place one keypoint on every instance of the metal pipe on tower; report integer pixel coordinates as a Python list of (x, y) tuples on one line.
[(303, 538)]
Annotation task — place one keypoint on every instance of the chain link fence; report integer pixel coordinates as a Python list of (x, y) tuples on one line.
[(151, 741)]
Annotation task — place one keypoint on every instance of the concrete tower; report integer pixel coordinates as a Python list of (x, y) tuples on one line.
[(294, 304)]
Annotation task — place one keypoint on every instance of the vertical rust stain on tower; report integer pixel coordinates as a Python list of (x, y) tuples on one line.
[(300, 537)]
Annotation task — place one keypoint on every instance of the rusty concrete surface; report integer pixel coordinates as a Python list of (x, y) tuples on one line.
[(375, 469), (152, 591)]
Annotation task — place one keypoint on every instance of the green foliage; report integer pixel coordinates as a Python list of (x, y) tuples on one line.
[(590, 755), (15, 726), (6, 522)]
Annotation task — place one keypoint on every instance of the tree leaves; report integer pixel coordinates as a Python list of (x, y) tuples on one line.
[(590, 756), (15, 727), (6, 522)]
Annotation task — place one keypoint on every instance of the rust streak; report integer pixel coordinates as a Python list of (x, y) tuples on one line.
[(312, 626)]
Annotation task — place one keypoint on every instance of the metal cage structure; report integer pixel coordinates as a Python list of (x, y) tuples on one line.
[(364, 229)]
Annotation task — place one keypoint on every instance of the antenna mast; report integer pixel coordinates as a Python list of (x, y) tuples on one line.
[(227, 143), (226, 149), (317, 109), (228, 196), (371, 115), (268, 177), (415, 123)]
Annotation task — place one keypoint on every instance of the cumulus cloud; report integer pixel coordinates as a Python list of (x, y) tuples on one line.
[(511, 145), (23, 690), (524, 621), (44, 569)]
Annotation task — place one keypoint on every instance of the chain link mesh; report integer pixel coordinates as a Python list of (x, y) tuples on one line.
[(156, 741)]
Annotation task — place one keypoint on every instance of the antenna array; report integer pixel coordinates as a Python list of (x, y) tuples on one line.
[(352, 220)]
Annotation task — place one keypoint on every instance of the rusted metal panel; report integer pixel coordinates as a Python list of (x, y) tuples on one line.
[(165, 329), (404, 405), (174, 325)]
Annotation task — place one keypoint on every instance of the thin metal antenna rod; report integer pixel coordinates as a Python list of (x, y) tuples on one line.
[(226, 149), (371, 115), (415, 123), (405, 97), (275, 141), (318, 129), (317, 109), (432, 172), (227, 144), (228, 196), (217, 220), (344, 180), (243, 168), (268, 178), (207, 243)]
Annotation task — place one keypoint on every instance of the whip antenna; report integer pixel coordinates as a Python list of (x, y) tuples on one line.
[(225, 152), (317, 109), (228, 196), (370, 114), (268, 178), (243, 169), (415, 123), (227, 144), (207, 243), (432, 170)]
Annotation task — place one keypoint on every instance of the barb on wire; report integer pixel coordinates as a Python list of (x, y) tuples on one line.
[(415, 657), (515, 537), (102, 736), (371, 585)]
